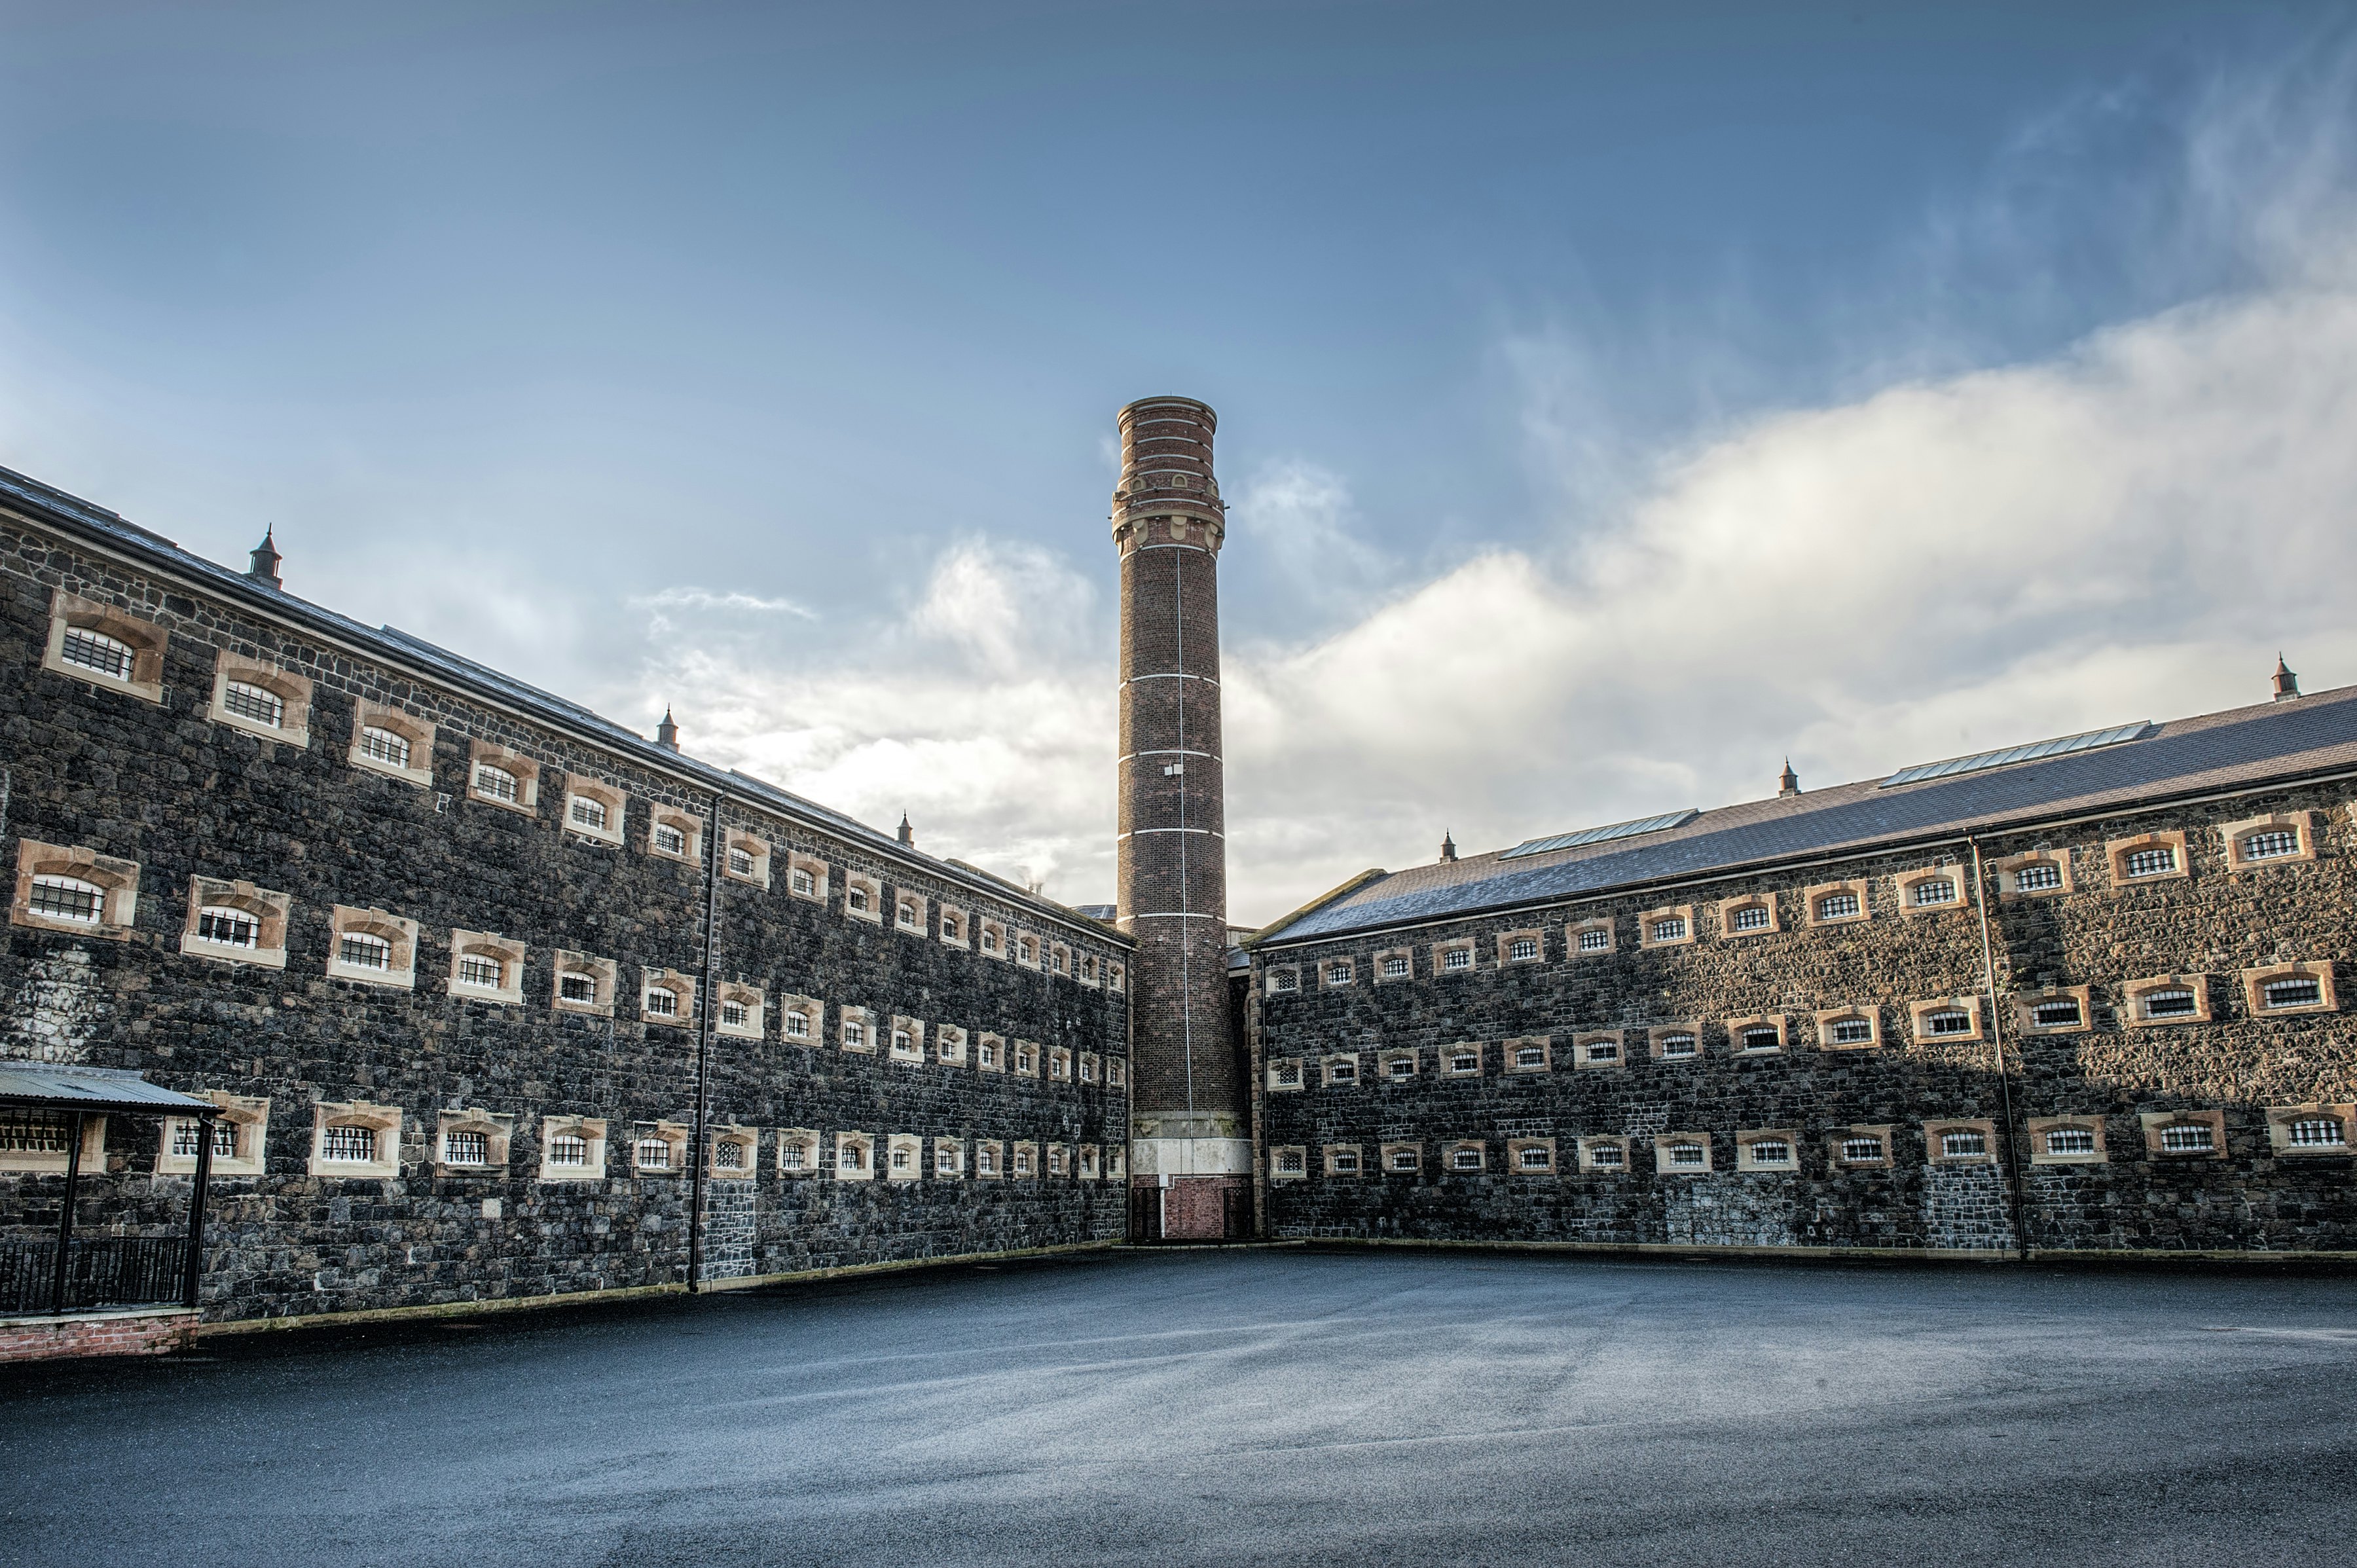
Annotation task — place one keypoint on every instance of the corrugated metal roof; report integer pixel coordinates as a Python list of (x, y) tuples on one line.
[(88, 1089), (2272, 741)]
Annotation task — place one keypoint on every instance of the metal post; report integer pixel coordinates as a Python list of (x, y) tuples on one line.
[(66, 1217), (196, 1262)]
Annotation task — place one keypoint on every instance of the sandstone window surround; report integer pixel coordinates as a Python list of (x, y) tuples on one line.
[(736, 1153), (909, 912), (1334, 972), (956, 928), (989, 1159), (2067, 1141), (1393, 964), (801, 1020), (949, 1159), (1843, 903), (1748, 914), (798, 1151), (472, 1142), (1466, 1156), (1023, 1160), (499, 776), (38, 1142), (1092, 1164), (2280, 989), (990, 938), (1059, 959), (990, 1053), (744, 1010), (1758, 1035), (904, 1157), (572, 1148), (1056, 1160), (667, 996), (1091, 1068), (1771, 1149), (1116, 1073), (583, 982), (236, 922), (1461, 1060), (907, 1043), (1861, 1146), (1530, 1156), (2277, 838), (1848, 1028), (1531, 1053), (1671, 926), (355, 1139), (1284, 1074), (595, 810), (1116, 977), (372, 947), (659, 1148), (2161, 1000), (1676, 1042), (1059, 1064), (949, 1045), (240, 1137), (1605, 1155), (1394, 1065), (2184, 1134), (256, 696), (62, 888), (1591, 937), (1966, 1140), (805, 876), (1933, 889), (1024, 1058), (1339, 1070), (675, 835), (863, 897), (485, 967), (2293, 1132), (745, 857), (1946, 1021), (1283, 978), (2156, 856), (1527, 946), (1401, 1159), (2034, 874), (1343, 1160), (1682, 1153), (1455, 956), (1027, 949), (104, 647), (855, 1030), (1594, 1050), (2054, 1010)]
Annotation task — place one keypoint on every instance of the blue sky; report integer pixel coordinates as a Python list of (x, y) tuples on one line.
[(762, 360)]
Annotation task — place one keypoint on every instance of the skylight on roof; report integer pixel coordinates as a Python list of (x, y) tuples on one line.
[(1598, 835), (2033, 752)]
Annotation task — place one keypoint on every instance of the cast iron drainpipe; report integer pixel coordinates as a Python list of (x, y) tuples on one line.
[(703, 1048), (66, 1219), (2004, 1073)]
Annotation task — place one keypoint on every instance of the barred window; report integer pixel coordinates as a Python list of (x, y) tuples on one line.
[(1403, 1159), (1343, 1072), (1523, 948), (2317, 1132), (669, 839), (946, 1162), (734, 1013), (2177, 1001), (385, 746), (797, 1024), (2187, 1138), (1933, 890), (1283, 980), (2059, 1012), (1055, 960), (1339, 974), (741, 862), (1465, 1061), (2070, 1140), (1852, 1031), (1671, 930), (901, 1043), (1861, 1150), (908, 913), (1537, 1160), (1606, 1156), (900, 1159), (1770, 1151), (1948, 1021), (2270, 843), (1291, 1162), (1964, 1143), (1394, 969), (989, 940), (483, 972), (854, 1033), (1602, 1050), (728, 1154), (260, 704), (184, 1140), (653, 1154), (349, 1145), (2151, 861), (803, 883), (2303, 992), (1836, 906), (497, 783), (950, 929), (364, 949), (227, 928), (1088, 1070), (662, 1002), (34, 1132), (1750, 918), (67, 898), (1760, 1037), (589, 814), (1022, 1162), (1088, 966), (791, 1157), (1114, 1075), (1688, 1156), (1025, 1056), (1458, 957), (1028, 949), (1530, 1056), (96, 651), (1465, 1159), (1594, 941), (1401, 1066), (465, 1148), (986, 1054), (1679, 1046), (575, 986), (986, 1162), (2037, 877), (1345, 1162)]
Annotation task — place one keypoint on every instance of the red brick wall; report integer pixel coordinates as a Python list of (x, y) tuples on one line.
[(51, 1339)]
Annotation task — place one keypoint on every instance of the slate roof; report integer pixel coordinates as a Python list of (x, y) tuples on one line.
[(73, 515), (2242, 747)]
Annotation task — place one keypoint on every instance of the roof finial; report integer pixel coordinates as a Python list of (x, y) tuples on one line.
[(1787, 782), (2287, 683), (907, 834), (667, 733), (265, 558), (1448, 846)]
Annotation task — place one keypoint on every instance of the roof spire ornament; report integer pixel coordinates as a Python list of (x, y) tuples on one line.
[(2287, 683), (1448, 846), (667, 733), (1787, 782), (264, 557), (907, 834)]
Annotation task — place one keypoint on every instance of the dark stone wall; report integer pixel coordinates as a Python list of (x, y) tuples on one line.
[(179, 794), (2101, 935)]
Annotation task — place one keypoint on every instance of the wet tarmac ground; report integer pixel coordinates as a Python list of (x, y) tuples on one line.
[(1240, 1407)]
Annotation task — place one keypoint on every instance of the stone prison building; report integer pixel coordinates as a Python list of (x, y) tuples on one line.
[(347, 976)]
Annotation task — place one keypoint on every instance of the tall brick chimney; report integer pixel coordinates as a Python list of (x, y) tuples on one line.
[(1190, 1119)]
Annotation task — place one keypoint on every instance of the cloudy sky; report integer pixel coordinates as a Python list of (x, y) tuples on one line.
[(1610, 404)]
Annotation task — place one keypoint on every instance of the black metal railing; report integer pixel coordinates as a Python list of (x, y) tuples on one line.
[(100, 1270)]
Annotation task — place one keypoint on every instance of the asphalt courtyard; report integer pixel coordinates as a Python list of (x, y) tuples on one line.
[(1255, 1407)]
